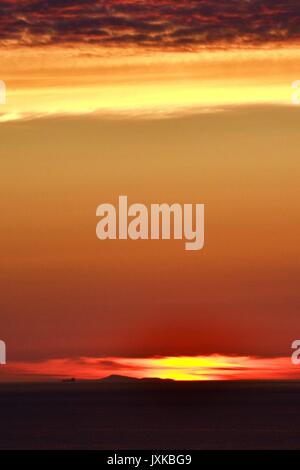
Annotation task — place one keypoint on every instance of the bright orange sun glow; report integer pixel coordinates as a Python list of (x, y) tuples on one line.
[(198, 368)]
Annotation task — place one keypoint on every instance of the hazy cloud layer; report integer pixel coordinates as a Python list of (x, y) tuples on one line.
[(214, 367), (153, 23)]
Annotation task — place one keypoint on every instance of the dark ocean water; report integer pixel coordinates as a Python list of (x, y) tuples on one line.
[(186, 416)]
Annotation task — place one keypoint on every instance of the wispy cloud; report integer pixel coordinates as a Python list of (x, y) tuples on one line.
[(213, 367)]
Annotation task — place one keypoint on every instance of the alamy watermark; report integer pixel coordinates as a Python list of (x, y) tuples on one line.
[(296, 352), (2, 92), (160, 221), (2, 353), (296, 92)]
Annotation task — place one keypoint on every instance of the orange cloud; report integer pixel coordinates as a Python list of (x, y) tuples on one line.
[(156, 85), (182, 368)]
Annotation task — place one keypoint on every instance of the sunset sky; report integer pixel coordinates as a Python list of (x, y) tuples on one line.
[(188, 102)]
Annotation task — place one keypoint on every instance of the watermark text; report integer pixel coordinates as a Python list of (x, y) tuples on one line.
[(2, 353), (160, 221), (296, 92), (2, 92), (296, 352)]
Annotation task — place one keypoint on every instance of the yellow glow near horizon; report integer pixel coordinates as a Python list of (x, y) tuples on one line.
[(181, 368), (140, 100), (189, 368), (144, 85)]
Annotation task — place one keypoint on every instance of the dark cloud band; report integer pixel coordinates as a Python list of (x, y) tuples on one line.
[(165, 24)]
